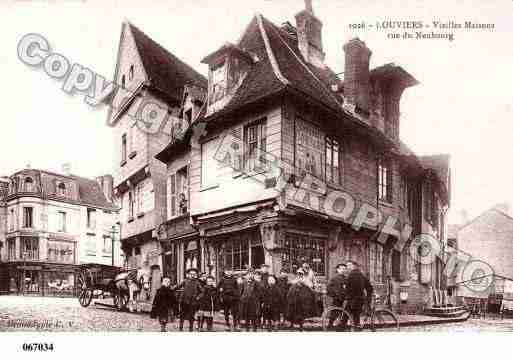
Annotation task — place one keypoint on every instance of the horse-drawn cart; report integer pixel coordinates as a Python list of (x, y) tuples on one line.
[(98, 280)]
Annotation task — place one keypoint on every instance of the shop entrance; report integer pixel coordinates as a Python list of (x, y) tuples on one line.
[(257, 255)]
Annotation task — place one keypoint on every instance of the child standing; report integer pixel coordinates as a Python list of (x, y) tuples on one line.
[(207, 303), (164, 303), (272, 303), (191, 290), (251, 301)]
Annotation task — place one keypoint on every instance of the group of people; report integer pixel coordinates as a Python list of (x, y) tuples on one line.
[(258, 299)]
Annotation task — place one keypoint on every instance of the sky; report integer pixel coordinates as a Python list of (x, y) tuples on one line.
[(463, 105)]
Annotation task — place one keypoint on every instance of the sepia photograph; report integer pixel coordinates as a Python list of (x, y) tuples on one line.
[(318, 168)]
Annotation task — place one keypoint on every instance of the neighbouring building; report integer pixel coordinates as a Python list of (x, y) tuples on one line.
[(287, 147), (150, 74), (485, 252), (49, 224)]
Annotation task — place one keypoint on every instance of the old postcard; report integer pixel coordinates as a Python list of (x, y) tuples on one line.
[(273, 166)]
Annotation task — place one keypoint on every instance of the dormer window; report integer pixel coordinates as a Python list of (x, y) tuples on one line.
[(218, 82), (61, 189), (28, 186), (228, 67)]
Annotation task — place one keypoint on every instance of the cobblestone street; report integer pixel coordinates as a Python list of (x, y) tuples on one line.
[(65, 314)]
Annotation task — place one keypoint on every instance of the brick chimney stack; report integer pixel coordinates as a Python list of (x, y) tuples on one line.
[(309, 35), (356, 73)]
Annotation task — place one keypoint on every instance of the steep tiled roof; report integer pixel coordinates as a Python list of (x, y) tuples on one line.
[(166, 72), (90, 193)]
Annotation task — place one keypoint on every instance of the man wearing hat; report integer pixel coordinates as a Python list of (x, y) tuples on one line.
[(336, 289), (188, 300), (358, 290), (230, 298)]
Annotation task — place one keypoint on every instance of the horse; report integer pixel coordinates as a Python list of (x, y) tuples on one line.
[(137, 283)]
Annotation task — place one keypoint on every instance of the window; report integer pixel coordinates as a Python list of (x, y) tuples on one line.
[(62, 221), (332, 160), (61, 252), (375, 262), (132, 139), (254, 147), (218, 75), (61, 189), (384, 180), (27, 217), (123, 81), (91, 218), (11, 249), (29, 248), (396, 264), (209, 165), (28, 185), (178, 189), (139, 197), (236, 255), (131, 73), (137, 251), (301, 248), (107, 244), (430, 204), (123, 148), (131, 204), (12, 220)]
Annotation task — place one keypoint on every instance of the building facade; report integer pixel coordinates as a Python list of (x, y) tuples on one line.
[(50, 224), (279, 157)]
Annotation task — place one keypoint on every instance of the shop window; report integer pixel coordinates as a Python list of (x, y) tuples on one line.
[(31, 281), (28, 185), (11, 249), (91, 218), (236, 255), (59, 283), (376, 262), (191, 256), (333, 159), (254, 146), (29, 248), (300, 248), (28, 217), (384, 180)]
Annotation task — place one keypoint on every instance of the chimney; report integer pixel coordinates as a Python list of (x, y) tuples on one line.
[(309, 35), (66, 168), (356, 73), (107, 186)]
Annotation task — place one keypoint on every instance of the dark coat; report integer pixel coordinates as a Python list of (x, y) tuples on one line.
[(191, 290), (336, 288), (208, 299), (163, 303), (229, 289), (300, 302), (273, 302), (358, 287), (251, 300)]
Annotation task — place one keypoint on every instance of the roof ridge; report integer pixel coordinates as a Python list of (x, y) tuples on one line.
[(270, 54), (306, 67)]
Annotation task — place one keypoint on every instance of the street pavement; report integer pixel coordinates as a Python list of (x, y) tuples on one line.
[(65, 314)]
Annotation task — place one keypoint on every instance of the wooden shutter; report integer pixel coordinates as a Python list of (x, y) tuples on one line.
[(172, 192)]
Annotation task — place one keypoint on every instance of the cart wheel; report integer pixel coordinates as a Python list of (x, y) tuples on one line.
[(120, 301), (85, 297)]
